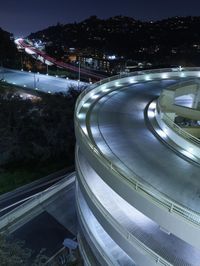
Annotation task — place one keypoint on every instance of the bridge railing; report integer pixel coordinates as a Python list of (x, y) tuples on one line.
[(17, 213)]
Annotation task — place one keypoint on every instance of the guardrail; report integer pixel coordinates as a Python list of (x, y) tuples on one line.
[(27, 206), (126, 234), (141, 188), (169, 122), (179, 130)]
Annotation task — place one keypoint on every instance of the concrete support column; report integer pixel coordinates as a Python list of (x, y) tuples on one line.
[(172, 116), (167, 100), (196, 99)]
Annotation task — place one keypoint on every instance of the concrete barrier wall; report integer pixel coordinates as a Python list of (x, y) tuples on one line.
[(29, 205)]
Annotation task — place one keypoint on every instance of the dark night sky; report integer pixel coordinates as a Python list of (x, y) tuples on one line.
[(24, 16)]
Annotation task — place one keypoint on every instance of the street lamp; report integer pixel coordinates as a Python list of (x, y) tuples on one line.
[(2, 70), (79, 71), (21, 60), (34, 81)]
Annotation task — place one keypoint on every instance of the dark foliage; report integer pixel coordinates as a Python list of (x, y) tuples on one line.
[(13, 253), (9, 55), (37, 131)]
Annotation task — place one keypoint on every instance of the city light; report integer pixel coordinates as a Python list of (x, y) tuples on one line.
[(164, 76)]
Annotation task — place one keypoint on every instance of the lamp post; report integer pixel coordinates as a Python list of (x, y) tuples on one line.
[(79, 71), (2, 70), (21, 61), (34, 81)]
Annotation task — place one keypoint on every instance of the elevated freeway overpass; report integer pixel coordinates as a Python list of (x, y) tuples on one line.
[(137, 195), (46, 59)]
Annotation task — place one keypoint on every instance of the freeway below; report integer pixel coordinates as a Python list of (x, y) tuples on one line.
[(46, 59), (40, 82), (11, 200)]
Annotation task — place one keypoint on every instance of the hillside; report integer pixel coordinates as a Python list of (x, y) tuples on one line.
[(125, 36)]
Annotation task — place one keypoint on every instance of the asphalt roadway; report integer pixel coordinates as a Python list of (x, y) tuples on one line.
[(45, 83), (121, 132)]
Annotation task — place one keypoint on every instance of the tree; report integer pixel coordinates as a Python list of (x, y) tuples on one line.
[(9, 55), (13, 253)]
